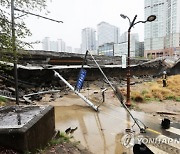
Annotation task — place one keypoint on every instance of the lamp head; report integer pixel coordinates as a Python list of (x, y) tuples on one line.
[(151, 18), (123, 16)]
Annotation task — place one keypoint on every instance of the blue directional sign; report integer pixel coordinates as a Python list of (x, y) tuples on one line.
[(80, 81)]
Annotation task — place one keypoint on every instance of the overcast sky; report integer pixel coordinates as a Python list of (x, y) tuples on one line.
[(79, 14)]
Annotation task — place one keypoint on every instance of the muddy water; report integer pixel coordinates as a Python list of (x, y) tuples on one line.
[(100, 132)]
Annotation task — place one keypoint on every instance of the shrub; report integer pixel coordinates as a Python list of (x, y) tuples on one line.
[(137, 97)]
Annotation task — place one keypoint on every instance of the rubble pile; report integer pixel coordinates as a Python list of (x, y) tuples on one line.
[(35, 72), (35, 57)]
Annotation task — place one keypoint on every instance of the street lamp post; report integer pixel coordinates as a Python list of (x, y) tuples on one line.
[(14, 42), (14, 52), (131, 24)]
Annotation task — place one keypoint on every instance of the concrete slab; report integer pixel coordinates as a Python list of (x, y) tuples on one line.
[(26, 128)]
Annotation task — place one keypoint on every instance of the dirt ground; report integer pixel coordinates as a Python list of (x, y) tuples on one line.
[(162, 108), (63, 148), (167, 108), (66, 148)]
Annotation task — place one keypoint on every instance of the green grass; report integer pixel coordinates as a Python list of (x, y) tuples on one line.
[(177, 99), (2, 99), (61, 139), (149, 99), (144, 92), (171, 98)]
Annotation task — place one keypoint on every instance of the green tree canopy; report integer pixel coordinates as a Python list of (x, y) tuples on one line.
[(21, 31)]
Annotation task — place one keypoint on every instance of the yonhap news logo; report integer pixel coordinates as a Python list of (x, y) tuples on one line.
[(129, 140)]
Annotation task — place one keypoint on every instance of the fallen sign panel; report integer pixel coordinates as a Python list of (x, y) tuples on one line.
[(26, 128)]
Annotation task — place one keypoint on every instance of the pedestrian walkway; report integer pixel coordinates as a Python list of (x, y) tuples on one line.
[(167, 142)]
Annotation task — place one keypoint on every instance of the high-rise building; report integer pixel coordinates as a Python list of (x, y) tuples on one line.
[(46, 44), (141, 49), (124, 37), (61, 45), (88, 39), (51, 45), (108, 35), (122, 47), (162, 36)]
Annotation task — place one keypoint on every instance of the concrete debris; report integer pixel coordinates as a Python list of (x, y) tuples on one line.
[(29, 98), (35, 71), (12, 98), (5, 93)]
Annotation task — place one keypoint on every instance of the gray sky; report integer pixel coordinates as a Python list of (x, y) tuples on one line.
[(79, 14)]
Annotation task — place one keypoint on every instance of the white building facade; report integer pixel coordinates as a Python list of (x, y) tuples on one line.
[(88, 36), (108, 35), (122, 48), (54, 45), (162, 36), (61, 45), (46, 44)]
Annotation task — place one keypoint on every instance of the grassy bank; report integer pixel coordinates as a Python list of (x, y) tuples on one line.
[(155, 91)]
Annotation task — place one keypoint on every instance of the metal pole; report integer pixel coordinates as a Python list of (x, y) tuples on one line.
[(120, 99), (128, 103), (102, 71), (14, 44), (84, 61), (79, 94), (36, 15), (14, 52), (118, 94)]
